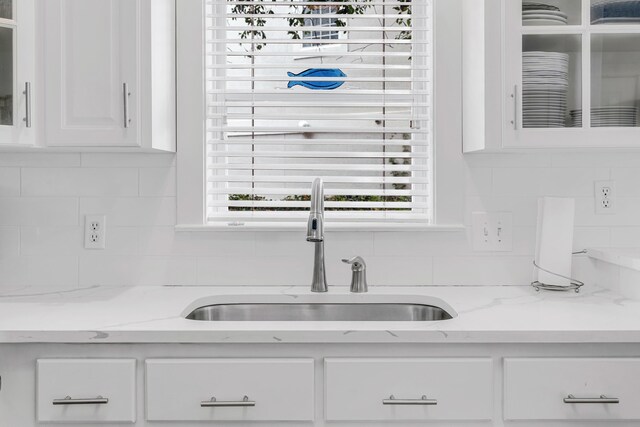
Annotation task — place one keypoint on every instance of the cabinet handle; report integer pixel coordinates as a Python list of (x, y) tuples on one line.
[(27, 96), (422, 401), (91, 401), (514, 97), (602, 399), (213, 403), (125, 95)]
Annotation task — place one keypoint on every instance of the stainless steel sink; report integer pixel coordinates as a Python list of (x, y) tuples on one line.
[(318, 312)]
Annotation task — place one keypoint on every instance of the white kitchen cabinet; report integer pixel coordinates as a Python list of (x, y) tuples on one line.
[(361, 389), (86, 390), (527, 87), (17, 73), (109, 73), (230, 390), (572, 389)]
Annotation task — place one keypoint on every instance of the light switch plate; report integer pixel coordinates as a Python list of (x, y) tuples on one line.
[(492, 231)]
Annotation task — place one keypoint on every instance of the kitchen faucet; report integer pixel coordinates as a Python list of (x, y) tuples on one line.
[(315, 235)]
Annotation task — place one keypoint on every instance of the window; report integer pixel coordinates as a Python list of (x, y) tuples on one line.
[(201, 203), (360, 119)]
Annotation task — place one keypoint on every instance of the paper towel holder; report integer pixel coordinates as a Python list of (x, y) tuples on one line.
[(574, 284)]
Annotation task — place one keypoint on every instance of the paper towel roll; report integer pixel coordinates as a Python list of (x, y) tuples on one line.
[(554, 241)]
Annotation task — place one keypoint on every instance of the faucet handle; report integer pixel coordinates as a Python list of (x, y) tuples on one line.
[(359, 274)]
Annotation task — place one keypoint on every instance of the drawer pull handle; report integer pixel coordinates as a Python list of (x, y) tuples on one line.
[(92, 401), (422, 401), (602, 399), (213, 403)]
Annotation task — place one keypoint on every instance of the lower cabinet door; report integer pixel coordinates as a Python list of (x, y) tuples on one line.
[(408, 389), (86, 390), (572, 389), (230, 389)]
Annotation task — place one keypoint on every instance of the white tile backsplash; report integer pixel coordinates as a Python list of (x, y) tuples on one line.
[(44, 197)]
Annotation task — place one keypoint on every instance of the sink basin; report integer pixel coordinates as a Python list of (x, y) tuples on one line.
[(318, 312)]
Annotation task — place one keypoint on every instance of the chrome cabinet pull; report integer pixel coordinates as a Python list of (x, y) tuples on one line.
[(91, 401), (213, 403), (580, 400), (514, 96), (27, 95), (126, 94), (422, 401)]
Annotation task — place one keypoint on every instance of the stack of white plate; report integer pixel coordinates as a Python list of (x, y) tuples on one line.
[(608, 117), (545, 84), (542, 14)]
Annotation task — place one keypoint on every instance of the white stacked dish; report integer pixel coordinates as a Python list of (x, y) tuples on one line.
[(612, 116), (545, 85), (542, 14)]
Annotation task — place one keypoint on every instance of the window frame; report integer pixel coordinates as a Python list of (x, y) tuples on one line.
[(448, 165)]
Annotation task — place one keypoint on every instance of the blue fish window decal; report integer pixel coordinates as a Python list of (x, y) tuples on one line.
[(317, 72)]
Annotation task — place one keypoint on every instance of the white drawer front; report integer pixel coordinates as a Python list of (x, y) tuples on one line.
[(356, 388), (84, 381), (535, 389), (282, 389)]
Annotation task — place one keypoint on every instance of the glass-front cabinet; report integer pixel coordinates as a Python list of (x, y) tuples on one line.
[(17, 55), (571, 73)]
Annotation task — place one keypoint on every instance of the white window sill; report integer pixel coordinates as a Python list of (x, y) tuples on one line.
[(363, 227)]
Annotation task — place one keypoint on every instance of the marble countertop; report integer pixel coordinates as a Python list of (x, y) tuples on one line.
[(622, 257), (491, 314)]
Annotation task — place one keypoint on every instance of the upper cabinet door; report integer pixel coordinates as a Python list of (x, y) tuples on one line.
[(17, 55), (572, 72), (91, 73)]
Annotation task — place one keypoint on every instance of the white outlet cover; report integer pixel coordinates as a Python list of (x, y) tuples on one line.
[(95, 238), (605, 201), (492, 231)]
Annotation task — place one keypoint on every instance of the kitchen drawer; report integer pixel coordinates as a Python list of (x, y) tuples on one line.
[(455, 389), (275, 389), (535, 389), (86, 390)]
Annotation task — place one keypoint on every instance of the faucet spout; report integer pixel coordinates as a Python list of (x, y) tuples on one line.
[(315, 235)]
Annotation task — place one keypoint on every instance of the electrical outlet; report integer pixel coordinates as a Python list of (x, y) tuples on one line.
[(492, 231), (95, 231), (605, 197)]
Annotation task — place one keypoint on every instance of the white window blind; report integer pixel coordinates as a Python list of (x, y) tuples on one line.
[(353, 110)]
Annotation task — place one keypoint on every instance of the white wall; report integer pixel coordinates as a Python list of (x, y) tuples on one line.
[(44, 197)]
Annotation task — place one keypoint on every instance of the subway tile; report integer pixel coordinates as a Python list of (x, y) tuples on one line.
[(510, 160), (9, 242), (40, 160), (627, 181), (479, 181), (131, 212), (128, 160), (601, 160), (166, 241), (9, 182), (256, 271), (119, 270), (39, 211), (625, 237), (70, 240), (80, 182), (479, 271), (573, 182), (157, 182)]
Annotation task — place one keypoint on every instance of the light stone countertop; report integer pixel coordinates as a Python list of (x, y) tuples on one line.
[(622, 257), (489, 314)]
